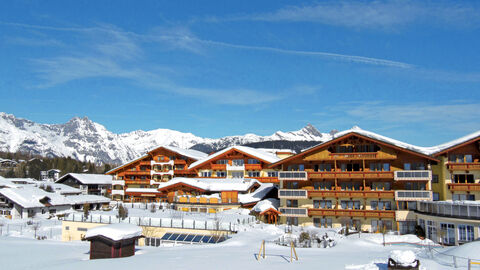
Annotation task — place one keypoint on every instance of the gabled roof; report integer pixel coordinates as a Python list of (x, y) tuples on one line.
[(193, 154), (115, 232), (451, 145), (88, 179), (399, 145), (253, 152)]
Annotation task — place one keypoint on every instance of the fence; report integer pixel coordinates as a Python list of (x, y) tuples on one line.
[(160, 222), (452, 260)]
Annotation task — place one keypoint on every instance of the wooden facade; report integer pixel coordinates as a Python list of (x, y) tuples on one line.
[(103, 248), (353, 179), (138, 180)]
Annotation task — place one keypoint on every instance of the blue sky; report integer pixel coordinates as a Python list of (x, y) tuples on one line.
[(405, 69)]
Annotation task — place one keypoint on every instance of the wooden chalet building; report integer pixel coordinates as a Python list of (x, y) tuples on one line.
[(240, 162), (215, 195), (358, 179), (138, 180)]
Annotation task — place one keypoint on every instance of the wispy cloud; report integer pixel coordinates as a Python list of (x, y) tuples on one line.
[(462, 116), (373, 14), (34, 42)]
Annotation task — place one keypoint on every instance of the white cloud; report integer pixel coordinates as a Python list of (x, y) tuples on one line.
[(373, 14)]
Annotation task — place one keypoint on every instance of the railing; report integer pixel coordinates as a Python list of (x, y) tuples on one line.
[(165, 172), (179, 162), (165, 162), (137, 182), (352, 194), (293, 212), (350, 175), (219, 167), (235, 167), (413, 195), (292, 193), (352, 213), (468, 166), (118, 192), (183, 172), (451, 209), (253, 167), (464, 187), (118, 182), (350, 156), (145, 163), (159, 222), (287, 175), (265, 179), (424, 175), (137, 172)]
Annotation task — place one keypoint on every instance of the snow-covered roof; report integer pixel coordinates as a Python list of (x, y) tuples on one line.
[(257, 195), (275, 151), (213, 184), (127, 163), (444, 146), (29, 196), (88, 179), (266, 204), (58, 188), (193, 154), (257, 153), (115, 232)]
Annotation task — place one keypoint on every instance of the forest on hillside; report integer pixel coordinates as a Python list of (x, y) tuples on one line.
[(31, 165)]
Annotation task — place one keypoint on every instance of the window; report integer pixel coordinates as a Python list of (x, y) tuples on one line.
[(222, 161), (292, 221), (132, 177), (407, 166), (468, 158), (350, 205), (67, 228), (238, 162), (323, 204), (272, 174), (253, 161), (463, 178), (465, 233), (80, 229), (434, 178), (432, 230), (291, 185), (292, 203), (206, 174), (253, 174), (375, 166), (237, 174), (448, 233), (436, 196), (221, 174), (323, 167), (463, 197), (386, 167), (322, 222)]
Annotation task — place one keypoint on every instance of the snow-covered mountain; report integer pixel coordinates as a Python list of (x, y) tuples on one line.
[(86, 140)]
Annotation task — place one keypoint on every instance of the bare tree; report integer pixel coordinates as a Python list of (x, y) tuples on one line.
[(36, 226), (122, 212)]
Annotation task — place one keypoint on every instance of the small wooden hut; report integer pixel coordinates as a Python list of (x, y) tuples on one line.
[(113, 241)]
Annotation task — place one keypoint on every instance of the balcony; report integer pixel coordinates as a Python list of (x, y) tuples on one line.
[(179, 162), (219, 167), (353, 156), (137, 172), (292, 194), (468, 166), (118, 182), (352, 194), (235, 167), (183, 172), (352, 213), (165, 162), (145, 163), (350, 175), (266, 179), (295, 176), (137, 182), (464, 187), (118, 192), (293, 212), (169, 172), (413, 195), (456, 209), (253, 167), (423, 175)]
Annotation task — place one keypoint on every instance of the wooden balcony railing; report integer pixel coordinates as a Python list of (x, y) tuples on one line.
[(352, 213), (464, 187), (266, 179), (183, 172), (350, 175), (179, 162), (145, 163), (470, 166), (220, 167), (137, 182), (253, 167), (137, 172), (352, 156), (352, 194)]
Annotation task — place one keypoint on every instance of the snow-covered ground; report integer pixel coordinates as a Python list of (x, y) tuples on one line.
[(21, 251)]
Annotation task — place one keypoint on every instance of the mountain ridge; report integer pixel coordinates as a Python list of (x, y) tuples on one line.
[(85, 140)]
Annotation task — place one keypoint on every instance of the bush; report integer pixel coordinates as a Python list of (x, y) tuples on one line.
[(304, 236), (419, 231), (122, 212)]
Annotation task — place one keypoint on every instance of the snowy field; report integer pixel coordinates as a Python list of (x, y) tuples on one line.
[(19, 250)]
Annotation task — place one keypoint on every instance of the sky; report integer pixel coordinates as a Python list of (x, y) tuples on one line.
[(405, 69)]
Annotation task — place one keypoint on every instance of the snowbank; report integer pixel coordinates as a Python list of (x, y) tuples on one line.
[(468, 250), (115, 232)]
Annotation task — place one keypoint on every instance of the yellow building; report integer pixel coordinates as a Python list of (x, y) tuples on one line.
[(457, 176)]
